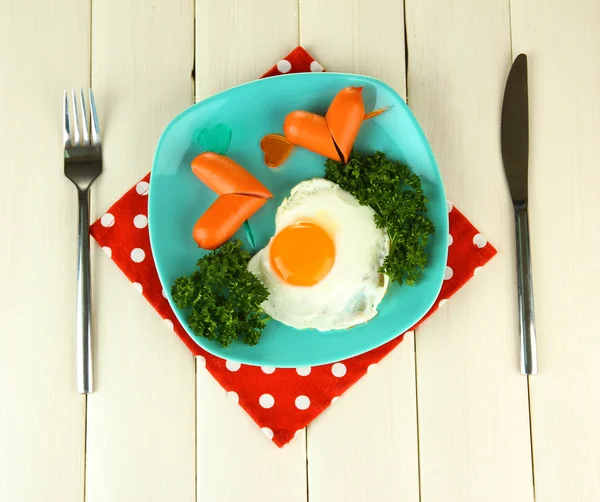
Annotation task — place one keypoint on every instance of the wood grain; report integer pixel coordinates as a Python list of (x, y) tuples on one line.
[(473, 404), (141, 419), (237, 41), (562, 42), (364, 37), (236, 461), (365, 447), (42, 418)]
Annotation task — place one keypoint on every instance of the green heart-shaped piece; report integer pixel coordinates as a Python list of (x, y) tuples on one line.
[(215, 139)]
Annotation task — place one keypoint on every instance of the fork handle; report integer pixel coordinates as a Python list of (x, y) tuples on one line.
[(84, 324), (525, 289)]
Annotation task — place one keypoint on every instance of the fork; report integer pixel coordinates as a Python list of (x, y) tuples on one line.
[(83, 164)]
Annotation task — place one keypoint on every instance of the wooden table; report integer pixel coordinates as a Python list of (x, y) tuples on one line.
[(447, 416)]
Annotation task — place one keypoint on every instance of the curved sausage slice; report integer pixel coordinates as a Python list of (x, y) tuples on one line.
[(310, 131), (225, 176), (223, 218)]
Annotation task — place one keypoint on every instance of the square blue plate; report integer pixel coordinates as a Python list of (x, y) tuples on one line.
[(178, 198)]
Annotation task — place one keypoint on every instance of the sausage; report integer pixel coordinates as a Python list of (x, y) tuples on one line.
[(223, 218), (310, 131), (344, 118), (240, 196), (225, 176)]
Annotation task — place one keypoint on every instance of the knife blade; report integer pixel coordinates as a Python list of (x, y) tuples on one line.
[(514, 132)]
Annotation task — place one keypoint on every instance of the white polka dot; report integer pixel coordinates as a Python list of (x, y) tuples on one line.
[(443, 301), (268, 432), (267, 369), (316, 67), (234, 396), (107, 220), (108, 251), (371, 367), (232, 365), (477, 269), (335, 399), (450, 239), (169, 323), (338, 370), (449, 273), (142, 188), (479, 240), (303, 371), (266, 401), (138, 255), (140, 221), (201, 360), (449, 205), (138, 287), (302, 402), (410, 333), (164, 293), (284, 66)]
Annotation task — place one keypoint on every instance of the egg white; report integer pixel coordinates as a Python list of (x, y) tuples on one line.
[(350, 293)]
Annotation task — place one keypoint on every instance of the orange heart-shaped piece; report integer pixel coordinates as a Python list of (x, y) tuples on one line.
[(277, 149), (344, 118), (223, 219), (241, 195), (310, 131)]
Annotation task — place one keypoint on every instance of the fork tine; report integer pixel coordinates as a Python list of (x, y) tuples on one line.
[(76, 134), (66, 125), (84, 120), (94, 120)]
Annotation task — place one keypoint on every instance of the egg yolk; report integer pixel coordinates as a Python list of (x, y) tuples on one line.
[(302, 253)]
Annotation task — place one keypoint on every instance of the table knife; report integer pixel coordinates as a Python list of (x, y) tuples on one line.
[(515, 156)]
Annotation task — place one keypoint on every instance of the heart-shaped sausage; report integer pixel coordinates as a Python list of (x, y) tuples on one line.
[(310, 131), (240, 196), (277, 149), (332, 136), (344, 118)]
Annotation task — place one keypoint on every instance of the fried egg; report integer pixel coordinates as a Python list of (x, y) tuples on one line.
[(322, 265)]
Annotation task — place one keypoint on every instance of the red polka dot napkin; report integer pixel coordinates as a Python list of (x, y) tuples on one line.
[(280, 401)]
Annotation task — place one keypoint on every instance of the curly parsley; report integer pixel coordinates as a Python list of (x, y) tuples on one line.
[(224, 296), (395, 194)]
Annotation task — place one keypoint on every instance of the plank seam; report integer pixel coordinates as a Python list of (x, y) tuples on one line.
[(531, 437), (85, 430), (417, 412), (306, 456), (298, 28), (418, 431)]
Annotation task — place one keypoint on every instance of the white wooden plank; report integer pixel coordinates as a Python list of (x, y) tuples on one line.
[(473, 407), (42, 418), (365, 37), (141, 419), (237, 41), (563, 45), (365, 447), (236, 461)]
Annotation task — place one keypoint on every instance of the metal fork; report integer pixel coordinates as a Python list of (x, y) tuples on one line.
[(83, 164)]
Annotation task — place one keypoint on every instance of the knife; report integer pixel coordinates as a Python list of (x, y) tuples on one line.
[(514, 141)]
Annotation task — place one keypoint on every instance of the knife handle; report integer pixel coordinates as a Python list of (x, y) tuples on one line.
[(525, 289)]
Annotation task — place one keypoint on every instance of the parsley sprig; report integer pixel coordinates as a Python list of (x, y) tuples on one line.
[(224, 296), (396, 195)]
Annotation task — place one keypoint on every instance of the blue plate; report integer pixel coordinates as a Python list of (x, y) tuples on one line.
[(178, 198)]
